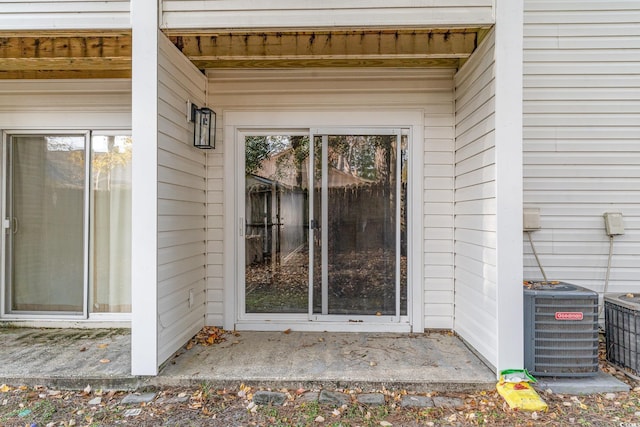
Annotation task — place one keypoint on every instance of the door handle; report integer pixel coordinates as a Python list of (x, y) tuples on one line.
[(14, 220), (314, 225)]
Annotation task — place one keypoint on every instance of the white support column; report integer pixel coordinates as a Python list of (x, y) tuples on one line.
[(508, 119), (144, 236)]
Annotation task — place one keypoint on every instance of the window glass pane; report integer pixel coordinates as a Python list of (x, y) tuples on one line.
[(46, 209), (110, 257), (276, 218)]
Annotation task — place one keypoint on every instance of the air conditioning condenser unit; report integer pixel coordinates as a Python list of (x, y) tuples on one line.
[(622, 328), (561, 330)]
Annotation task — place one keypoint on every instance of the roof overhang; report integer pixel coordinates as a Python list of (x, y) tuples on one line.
[(64, 54), (107, 54), (406, 47)]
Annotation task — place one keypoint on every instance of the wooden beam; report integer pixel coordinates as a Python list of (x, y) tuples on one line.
[(64, 64), (328, 48), (326, 62), (53, 54), (67, 74)]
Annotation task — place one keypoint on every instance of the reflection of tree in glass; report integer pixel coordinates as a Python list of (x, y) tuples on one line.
[(118, 154), (256, 150), (289, 153), (369, 157), (65, 155)]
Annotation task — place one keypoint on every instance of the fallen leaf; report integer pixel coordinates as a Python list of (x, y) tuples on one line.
[(288, 331), (105, 360), (319, 419), (385, 423), (4, 388), (83, 349), (87, 389), (103, 345)]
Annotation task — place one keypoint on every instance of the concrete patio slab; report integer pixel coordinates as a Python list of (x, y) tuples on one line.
[(67, 358), (600, 383), (75, 358), (421, 362)]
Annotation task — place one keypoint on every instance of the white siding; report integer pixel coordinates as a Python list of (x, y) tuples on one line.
[(582, 138), (475, 202), (238, 14), (430, 90), (181, 204), (65, 104), (64, 14)]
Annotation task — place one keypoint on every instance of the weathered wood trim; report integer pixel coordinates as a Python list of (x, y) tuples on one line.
[(328, 48), (51, 54)]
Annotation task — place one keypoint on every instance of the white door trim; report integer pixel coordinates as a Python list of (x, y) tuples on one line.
[(282, 121)]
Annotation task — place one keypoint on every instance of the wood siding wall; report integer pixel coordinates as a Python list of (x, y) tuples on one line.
[(582, 138), (431, 90), (475, 202), (65, 104), (249, 14), (64, 14), (181, 204)]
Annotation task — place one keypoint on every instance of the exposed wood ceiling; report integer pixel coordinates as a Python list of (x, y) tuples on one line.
[(49, 55), (107, 54), (329, 48)]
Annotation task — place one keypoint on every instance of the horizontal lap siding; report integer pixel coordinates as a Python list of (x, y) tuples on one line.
[(250, 14), (475, 202), (181, 204), (60, 15), (430, 90), (582, 139), (65, 104)]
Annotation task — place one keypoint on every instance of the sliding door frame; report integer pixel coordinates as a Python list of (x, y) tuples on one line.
[(6, 284), (236, 125)]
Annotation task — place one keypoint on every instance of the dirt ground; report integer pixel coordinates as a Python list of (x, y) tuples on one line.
[(208, 406), (205, 406)]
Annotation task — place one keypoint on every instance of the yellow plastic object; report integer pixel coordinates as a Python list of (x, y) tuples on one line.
[(520, 395)]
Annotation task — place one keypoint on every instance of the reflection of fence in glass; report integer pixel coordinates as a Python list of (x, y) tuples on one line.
[(361, 176), (276, 236)]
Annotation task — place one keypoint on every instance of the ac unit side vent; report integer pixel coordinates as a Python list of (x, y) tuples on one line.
[(561, 331), (622, 329)]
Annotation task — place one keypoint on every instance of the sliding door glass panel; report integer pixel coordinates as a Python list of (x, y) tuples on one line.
[(359, 258), (46, 208), (276, 216), (318, 227), (110, 257), (404, 209)]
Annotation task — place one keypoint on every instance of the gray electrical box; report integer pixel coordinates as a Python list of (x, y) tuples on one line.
[(613, 223), (531, 219)]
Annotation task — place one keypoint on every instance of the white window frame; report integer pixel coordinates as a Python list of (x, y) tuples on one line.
[(48, 319)]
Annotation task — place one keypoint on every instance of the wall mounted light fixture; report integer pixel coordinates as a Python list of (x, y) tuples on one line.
[(203, 120)]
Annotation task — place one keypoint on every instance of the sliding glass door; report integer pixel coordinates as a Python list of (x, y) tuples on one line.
[(323, 225), (66, 224), (359, 250), (45, 224)]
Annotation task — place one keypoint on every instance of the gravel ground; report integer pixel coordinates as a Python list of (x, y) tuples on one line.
[(207, 406), (204, 406)]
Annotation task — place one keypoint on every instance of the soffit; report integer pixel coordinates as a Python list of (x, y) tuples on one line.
[(107, 54), (59, 54), (329, 48)]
